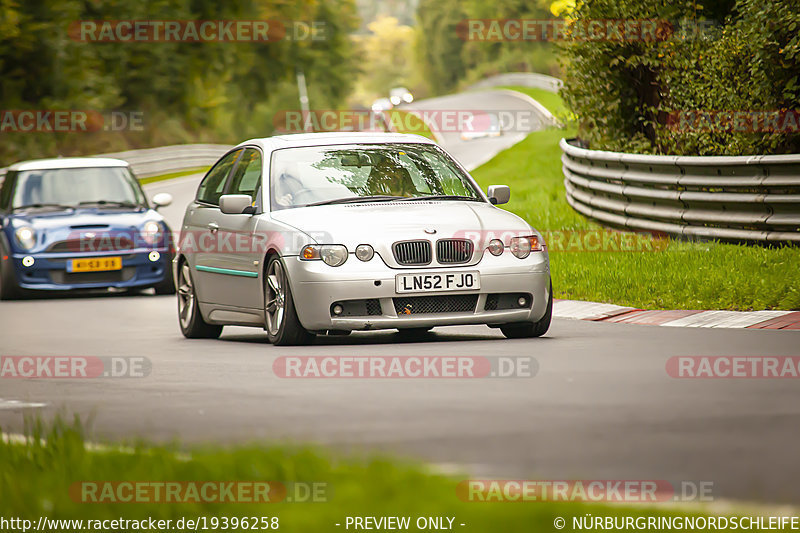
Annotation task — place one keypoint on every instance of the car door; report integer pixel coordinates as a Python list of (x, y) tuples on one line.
[(199, 236), (241, 249)]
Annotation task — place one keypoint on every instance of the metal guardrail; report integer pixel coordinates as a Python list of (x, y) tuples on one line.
[(165, 159), (523, 79), (743, 198)]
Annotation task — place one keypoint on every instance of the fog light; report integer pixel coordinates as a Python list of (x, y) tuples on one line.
[(154, 256), (364, 252), (496, 247), (337, 309), (522, 301), (27, 261)]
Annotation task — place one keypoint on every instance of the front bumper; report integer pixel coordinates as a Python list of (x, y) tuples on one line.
[(49, 270), (317, 286)]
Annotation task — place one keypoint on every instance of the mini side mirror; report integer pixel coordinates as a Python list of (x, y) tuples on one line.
[(162, 199)]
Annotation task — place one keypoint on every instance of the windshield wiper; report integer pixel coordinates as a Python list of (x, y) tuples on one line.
[(358, 199), (110, 203), (39, 205), (443, 197)]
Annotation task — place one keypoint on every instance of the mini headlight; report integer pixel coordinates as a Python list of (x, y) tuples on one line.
[(331, 254), (496, 247), (523, 246), (151, 233), (364, 252), (26, 237)]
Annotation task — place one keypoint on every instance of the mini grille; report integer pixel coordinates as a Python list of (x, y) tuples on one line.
[(422, 305), (454, 250), (108, 243), (412, 252), (112, 276)]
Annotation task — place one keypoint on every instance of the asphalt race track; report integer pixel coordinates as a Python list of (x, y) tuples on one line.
[(515, 113), (601, 406)]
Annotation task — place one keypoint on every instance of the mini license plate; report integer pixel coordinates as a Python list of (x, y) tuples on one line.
[(95, 264)]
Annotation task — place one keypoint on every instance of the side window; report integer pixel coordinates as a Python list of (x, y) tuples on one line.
[(214, 183), (246, 178)]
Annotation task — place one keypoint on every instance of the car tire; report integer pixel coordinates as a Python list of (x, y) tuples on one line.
[(9, 287), (167, 285), (531, 329), (189, 317), (281, 323)]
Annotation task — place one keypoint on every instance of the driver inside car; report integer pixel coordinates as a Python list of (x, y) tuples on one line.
[(389, 178)]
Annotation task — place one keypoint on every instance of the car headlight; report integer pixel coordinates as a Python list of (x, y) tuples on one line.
[(331, 254), (523, 246), (26, 237), (364, 252), (496, 247), (151, 232)]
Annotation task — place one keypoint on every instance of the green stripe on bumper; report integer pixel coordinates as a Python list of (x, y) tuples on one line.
[(229, 271)]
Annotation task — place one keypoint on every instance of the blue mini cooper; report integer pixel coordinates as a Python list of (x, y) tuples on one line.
[(80, 223)]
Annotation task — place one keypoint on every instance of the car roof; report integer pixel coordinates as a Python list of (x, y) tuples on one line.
[(68, 162), (335, 137)]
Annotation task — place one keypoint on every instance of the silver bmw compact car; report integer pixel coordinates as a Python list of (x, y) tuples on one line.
[(333, 232)]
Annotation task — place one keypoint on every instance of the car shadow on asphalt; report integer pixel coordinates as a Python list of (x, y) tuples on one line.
[(36, 295), (381, 338)]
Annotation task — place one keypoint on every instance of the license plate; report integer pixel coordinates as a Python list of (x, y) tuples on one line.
[(442, 281), (97, 264)]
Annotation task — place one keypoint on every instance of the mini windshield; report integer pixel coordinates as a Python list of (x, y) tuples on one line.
[(352, 173), (73, 187)]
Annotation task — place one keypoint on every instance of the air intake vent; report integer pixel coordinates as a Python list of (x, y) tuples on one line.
[(454, 251), (101, 243), (412, 252), (426, 305)]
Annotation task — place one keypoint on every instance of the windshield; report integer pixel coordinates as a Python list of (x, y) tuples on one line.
[(71, 187), (327, 174)]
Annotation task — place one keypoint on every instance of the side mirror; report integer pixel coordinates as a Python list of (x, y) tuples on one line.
[(236, 204), (162, 199), (499, 194)]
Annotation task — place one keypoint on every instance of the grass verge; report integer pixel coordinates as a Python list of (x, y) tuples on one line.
[(171, 175), (681, 276), (44, 476)]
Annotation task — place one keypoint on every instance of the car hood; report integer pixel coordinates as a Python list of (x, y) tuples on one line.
[(87, 218), (382, 224), (56, 226)]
